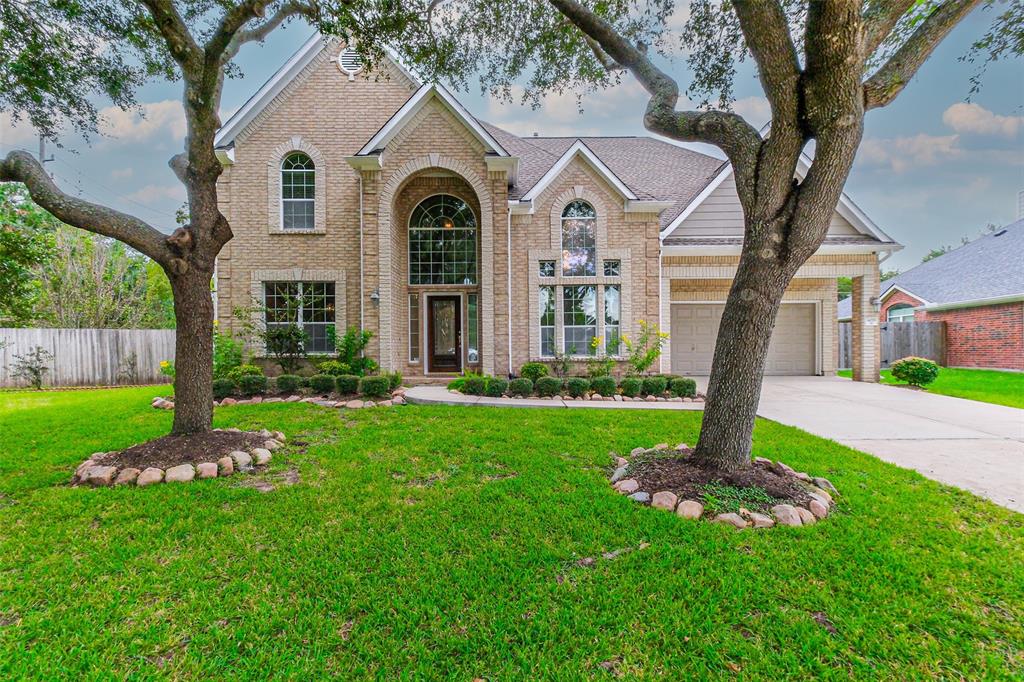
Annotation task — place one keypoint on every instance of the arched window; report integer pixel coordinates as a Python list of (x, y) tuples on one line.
[(901, 312), (579, 240), (442, 242), (298, 189)]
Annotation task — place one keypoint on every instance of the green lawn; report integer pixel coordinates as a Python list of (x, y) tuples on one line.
[(441, 542), (985, 385)]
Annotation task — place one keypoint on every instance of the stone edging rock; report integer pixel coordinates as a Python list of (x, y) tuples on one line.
[(820, 490), (591, 397), (397, 398), (238, 461)]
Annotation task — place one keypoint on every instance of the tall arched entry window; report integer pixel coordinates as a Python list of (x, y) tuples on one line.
[(579, 240), (298, 192), (442, 242)]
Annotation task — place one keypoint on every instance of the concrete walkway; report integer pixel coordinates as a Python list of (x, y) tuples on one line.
[(969, 444), (965, 443)]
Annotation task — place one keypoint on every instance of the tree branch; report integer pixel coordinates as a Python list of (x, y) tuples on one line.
[(172, 27), (766, 32), (260, 32), (890, 79), (880, 18), (728, 131), (20, 166)]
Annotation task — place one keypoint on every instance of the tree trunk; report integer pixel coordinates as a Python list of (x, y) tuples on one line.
[(734, 388), (193, 362)]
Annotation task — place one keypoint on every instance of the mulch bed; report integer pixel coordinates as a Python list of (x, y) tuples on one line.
[(169, 451), (687, 478)]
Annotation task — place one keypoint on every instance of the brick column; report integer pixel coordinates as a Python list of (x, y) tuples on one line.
[(866, 338)]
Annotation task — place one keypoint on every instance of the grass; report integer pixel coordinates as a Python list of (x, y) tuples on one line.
[(984, 385), (442, 542)]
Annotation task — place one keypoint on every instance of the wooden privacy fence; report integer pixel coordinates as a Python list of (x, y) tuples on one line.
[(899, 339), (90, 357)]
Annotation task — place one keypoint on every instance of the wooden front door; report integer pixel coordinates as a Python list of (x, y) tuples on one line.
[(444, 333)]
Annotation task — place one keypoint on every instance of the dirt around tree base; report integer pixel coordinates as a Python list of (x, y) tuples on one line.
[(169, 451)]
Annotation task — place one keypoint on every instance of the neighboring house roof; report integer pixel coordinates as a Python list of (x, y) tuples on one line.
[(987, 271)]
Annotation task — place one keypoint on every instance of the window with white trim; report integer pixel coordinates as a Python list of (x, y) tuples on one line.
[(309, 305), (414, 327), (612, 319), (472, 329), (579, 240), (442, 242), (579, 319), (298, 192), (546, 305), (901, 312)]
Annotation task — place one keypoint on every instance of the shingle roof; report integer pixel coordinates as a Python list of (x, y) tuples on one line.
[(989, 267), (837, 240), (651, 168)]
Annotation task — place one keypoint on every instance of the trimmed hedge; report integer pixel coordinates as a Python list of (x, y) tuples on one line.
[(252, 384), (604, 386), (631, 386), (534, 371), (347, 384), (474, 385), (683, 388), (321, 383), (521, 387), (335, 368), (496, 387), (236, 373), (394, 379), (654, 386), (915, 371), (548, 386), (222, 388), (374, 387), (577, 387), (288, 383)]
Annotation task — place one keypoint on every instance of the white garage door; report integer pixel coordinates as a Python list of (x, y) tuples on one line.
[(695, 328)]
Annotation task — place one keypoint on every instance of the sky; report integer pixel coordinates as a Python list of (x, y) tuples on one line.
[(933, 167)]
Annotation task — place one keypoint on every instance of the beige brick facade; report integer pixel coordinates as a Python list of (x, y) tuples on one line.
[(360, 235)]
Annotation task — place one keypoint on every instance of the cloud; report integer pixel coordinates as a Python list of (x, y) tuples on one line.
[(122, 173), (756, 110), (971, 118), (15, 133), (164, 119), (907, 153), (154, 193)]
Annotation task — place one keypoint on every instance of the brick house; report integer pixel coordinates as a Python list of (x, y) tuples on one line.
[(977, 290), (381, 202)]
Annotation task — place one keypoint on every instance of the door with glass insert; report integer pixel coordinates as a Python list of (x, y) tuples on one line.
[(444, 333)]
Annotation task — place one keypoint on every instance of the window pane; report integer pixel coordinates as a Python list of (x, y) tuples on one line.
[(612, 268), (579, 318), (310, 305), (546, 306), (547, 268), (472, 330), (298, 189), (414, 327), (579, 243), (442, 242), (612, 313)]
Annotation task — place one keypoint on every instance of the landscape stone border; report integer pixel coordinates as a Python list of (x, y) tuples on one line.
[(819, 489), (91, 472), (591, 397), (397, 398)]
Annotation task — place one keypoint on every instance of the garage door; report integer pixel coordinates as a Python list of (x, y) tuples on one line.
[(695, 328)]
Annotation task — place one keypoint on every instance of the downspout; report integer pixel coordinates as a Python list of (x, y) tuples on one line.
[(362, 324), (508, 290)]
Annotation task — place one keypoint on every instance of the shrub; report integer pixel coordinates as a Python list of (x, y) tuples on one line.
[(496, 387), (577, 387), (32, 366), (548, 386), (683, 387), (348, 384), (646, 349), (222, 388), (286, 344), (459, 383), (227, 354), (321, 383), (350, 349), (288, 383), (252, 384), (630, 386), (335, 368), (915, 371), (394, 379), (653, 385), (374, 387), (603, 385), (533, 371), (236, 373), (474, 385), (521, 387)]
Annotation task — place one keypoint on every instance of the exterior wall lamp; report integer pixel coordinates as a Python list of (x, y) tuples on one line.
[(375, 297)]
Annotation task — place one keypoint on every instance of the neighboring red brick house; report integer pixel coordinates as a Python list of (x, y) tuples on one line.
[(977, 290)]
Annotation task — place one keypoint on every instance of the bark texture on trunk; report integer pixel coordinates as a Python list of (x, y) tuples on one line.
[(193, 365)]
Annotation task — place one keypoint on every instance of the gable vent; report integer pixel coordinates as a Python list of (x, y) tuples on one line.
[(350, 62)]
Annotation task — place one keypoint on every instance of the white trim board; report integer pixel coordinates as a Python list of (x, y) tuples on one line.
[(896, 287)]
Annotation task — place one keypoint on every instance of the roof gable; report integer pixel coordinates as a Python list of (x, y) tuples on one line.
[(579, 149)]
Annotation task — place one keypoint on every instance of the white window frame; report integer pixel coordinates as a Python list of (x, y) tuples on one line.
[(283, 201), (592, 222), (905, 308), (299, 321)]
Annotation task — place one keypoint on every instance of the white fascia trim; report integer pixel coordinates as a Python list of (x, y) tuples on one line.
[(226, 155), (520, 207), (578, 148), (697, 200), (896, 287), (414, 104), (509, 164), (361, 163), (735, 249), (280, 80), (973, 303)]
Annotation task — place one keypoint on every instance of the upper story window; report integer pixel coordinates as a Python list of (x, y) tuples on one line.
[(901, 312), (298, 189), (442, 242), (579, 240)]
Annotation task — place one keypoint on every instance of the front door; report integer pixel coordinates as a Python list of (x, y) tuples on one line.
[(444, 333)]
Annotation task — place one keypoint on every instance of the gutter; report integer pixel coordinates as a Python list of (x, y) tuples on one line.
[(508, 290), (362, 283), (973, 303)]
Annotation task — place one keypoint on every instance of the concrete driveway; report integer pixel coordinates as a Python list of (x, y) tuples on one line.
[(965, 443)]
